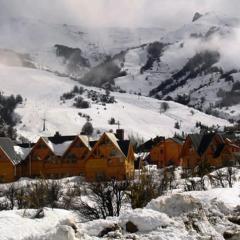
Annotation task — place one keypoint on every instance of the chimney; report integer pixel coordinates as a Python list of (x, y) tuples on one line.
[(57, 134), (120, 134)]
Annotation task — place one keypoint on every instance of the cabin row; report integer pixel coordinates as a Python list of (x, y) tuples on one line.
[(111, 156), (63, 156), (213, 149)]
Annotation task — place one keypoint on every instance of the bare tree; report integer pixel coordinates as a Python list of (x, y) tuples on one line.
[(230, 176), (106, 198)]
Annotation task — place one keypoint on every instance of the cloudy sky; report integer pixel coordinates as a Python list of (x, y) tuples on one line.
[(123, 13)]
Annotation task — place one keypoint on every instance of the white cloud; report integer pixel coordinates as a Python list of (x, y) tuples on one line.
[(124, 13)]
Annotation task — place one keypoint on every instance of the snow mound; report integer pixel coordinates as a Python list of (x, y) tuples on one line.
[(17, 225), (95, 227), (175, 205), (145, 219)]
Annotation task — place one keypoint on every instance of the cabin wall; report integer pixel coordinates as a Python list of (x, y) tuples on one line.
[(107, 161), (101, 168), (7, 169), (77, 155), (172, 151), (166, 153), (189, 157)]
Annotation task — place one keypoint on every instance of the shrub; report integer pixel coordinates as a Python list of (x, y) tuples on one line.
[(177, 125), (80, 103), (164, 107), (112, 121), (142, 191), (87, 129)]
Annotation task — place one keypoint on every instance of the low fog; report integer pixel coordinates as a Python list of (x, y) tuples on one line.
[(113, 13), (167, 14)]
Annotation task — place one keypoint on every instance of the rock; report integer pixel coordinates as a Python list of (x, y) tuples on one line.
[(196, 16), (234, 219), (106, 230), (131, 227), (231, 235), (39, 213)]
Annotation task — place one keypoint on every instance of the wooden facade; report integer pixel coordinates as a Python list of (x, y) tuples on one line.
[(7, 168), (110, 158), (166, 152), (76, 154), (9, 161), (210, 149), (58, 158)]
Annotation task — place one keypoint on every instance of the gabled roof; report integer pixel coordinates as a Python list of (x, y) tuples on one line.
[(59, 149), (92, 143), (219, 149), (124, 146), (148, 145), (58, 139), (178, 140), (121, 145), (58, 143), (201, 142), (85, 140), (205, 142), (22, 151), (196, 140), (7, 145)]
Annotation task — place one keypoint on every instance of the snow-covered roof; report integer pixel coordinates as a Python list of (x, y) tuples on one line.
[(85, 140), (113, 138), (7, 145), (59, 149), (22, 152)]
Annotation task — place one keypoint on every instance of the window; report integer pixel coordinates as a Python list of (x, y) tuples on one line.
[(214, 148), (113, 153), (109, 161), (105, 141), (41, 145), (79, 144), (71, 158), (1, 179), (36, 158), (100, 176), (49, 158)]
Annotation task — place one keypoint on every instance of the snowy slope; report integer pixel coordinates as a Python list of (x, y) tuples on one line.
[(137, 115), (217, 34)]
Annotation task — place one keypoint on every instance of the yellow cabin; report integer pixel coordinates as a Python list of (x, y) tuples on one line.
[(110, 158)]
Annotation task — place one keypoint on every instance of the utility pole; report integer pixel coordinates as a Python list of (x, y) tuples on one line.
[(44, 124), (118, 123)]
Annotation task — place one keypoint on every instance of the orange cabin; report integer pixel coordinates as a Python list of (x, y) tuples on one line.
[(56, 157), (166, 152), (9, 160), (211, 149)]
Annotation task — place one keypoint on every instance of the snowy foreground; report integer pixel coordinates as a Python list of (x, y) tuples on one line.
[(184, 216)]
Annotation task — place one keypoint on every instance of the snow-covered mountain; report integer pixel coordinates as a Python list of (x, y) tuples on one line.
[(192, 65), (197, 65)]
